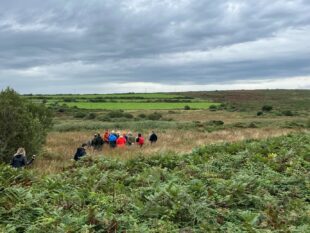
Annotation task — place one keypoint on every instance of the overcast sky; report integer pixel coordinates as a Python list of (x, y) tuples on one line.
[(92, 46)]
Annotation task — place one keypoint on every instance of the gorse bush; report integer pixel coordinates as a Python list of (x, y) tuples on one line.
[(91, 116), (119, 114), (287, 113), (187, 107), (253, 186), (267, 108), (142, 115), (22, 124), (213, 108), (154, 116), (79, 115)]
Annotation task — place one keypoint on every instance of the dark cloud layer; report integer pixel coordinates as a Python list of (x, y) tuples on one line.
[(88, 44)]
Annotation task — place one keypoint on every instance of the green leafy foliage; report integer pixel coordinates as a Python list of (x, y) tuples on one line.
[(22, 124), (252, 186), (267, 108), (186, 107), (155, 116)]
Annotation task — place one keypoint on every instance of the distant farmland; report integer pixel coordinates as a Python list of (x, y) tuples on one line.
[(139, 105), (156, 101)]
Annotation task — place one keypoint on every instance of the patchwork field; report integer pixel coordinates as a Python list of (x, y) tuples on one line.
[(123, 101), (138, 106)]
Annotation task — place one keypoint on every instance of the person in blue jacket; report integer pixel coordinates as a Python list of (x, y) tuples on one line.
[(112, 139), (19, 159), (80, 152)]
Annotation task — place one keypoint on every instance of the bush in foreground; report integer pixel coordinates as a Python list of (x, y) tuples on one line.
[(22, 124), (253, 186)]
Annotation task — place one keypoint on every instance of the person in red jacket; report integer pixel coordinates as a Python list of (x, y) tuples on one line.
[(140, 140), (121, 141)]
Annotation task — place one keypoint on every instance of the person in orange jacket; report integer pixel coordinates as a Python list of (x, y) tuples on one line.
[(106, 136), (121, 141)]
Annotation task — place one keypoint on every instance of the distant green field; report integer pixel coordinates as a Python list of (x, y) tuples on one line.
[(107, 96), (137, 106)]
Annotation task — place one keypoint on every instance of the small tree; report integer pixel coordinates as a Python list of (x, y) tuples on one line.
[(187, 107), (267, 108), (212, 107), (22, 124)]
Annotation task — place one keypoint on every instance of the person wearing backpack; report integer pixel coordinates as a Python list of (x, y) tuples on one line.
[(94, 142), (153, 138), (112, 140), (140, 140), (130, 139), (121, 141), (100, 142), (106, 136), (19, 159), (80, 152)]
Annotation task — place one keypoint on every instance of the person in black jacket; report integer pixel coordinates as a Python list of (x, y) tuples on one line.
[(19, 159), (97, 142), (153, 138), (80, 152)]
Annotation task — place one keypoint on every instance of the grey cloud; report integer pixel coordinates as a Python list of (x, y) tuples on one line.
[(82, 42)]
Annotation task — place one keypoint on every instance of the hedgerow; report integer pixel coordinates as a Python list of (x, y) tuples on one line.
[(251, 186)]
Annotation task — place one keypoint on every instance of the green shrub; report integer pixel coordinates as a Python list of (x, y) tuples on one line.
[(91, 116), (115, 114), (127, 115), (79, 115), (240, 125), (252, 125), (287, 113), (104, 118), (69, 100), (22, 124), (267, 108), (213, 108), (142, 115), (215, 122), (259, 113), (198, 124), (187, 107), (154, 116)]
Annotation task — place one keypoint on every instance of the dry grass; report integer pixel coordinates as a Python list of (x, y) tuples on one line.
[(60, 147)]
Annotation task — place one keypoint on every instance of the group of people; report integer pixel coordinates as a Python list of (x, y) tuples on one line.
[(113, 139)]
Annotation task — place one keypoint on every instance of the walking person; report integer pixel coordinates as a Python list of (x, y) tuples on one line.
[(94, 142), (112, 140), (106, 137), (100, 142), (153, 138), (130, 139), (80, 152), (19, 159), (121, 141), (140, 140)]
